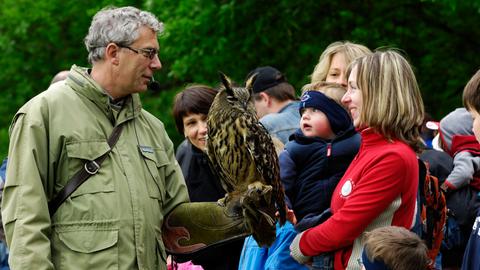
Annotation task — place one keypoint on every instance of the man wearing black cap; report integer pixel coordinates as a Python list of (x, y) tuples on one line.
[(275, 102)]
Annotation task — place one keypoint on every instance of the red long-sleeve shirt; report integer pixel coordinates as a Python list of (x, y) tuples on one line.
[(378, 189)]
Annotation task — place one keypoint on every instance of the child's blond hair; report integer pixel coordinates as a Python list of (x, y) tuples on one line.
[(334, 91)]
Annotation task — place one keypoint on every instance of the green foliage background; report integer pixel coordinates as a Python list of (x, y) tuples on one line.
[(441, 38)]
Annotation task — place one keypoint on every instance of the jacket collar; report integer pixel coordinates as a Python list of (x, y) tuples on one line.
[(293, 105), (371, 137), (83, 84)]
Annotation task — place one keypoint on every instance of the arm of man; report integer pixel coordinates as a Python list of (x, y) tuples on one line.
[(24, 207)]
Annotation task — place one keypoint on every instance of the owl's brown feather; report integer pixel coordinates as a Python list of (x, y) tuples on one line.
[(240, 149)]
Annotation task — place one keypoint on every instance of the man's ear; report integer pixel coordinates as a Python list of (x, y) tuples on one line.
[(266, 97), (111, 53)]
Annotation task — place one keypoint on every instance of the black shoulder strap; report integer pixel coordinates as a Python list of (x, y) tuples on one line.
[(90, 168)]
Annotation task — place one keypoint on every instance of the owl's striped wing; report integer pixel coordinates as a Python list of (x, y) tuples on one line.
[(218, 153), (262, 150)]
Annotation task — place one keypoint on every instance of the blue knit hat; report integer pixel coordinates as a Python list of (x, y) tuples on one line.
[(337, 116)]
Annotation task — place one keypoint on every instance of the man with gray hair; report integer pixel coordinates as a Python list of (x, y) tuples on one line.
[(92, 177)]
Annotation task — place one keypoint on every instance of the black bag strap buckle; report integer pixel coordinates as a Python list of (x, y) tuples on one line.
[(89, 168), (92, 167)]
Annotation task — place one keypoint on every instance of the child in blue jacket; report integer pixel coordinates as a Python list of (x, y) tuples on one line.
[(317, 156)]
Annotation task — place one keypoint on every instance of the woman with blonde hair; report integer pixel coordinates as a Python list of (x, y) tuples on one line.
[(333, 62), (379, 187)]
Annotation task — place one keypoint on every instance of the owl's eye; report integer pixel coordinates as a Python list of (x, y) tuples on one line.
[(231, 98)]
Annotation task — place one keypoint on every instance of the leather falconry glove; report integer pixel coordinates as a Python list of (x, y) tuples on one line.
[(194, 227)]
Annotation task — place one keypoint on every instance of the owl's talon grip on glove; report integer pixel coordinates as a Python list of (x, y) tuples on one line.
[(259, 213)]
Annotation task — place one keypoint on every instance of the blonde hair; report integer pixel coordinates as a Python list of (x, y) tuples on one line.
[(392, 104), (350, 50), (334, 91), (397, 247)]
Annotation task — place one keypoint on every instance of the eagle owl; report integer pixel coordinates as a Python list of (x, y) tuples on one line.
[(243, 155)]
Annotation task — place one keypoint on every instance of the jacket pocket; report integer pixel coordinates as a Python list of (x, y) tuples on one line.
[(155, 159), (89, 245), (80, 152)]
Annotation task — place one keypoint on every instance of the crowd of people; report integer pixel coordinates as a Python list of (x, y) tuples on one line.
[(92, 177)]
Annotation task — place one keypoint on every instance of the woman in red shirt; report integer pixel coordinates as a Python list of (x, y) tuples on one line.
[(379, 188)]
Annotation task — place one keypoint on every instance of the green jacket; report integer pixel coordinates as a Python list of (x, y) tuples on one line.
[(113, 220)]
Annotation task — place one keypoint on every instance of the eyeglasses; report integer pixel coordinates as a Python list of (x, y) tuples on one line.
[(147, 52)]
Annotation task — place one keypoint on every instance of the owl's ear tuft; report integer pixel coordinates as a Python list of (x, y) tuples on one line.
[(226, 82), (250, 81)]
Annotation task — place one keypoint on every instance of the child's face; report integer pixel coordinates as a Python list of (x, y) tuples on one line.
[(314, 123), (476, 124)]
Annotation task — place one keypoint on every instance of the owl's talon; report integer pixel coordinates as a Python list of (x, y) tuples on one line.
[(223, 201)]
